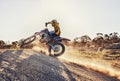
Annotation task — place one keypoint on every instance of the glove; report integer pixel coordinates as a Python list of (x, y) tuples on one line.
[(46, 24)]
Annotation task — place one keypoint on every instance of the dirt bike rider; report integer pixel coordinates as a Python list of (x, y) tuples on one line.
[(56, 32)]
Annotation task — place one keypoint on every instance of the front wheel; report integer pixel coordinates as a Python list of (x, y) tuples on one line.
[(28, 40), (56, 49)]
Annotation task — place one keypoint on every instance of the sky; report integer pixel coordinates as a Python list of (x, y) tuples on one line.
[(22, 18)]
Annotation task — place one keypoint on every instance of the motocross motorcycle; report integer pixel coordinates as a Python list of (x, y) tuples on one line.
[(55, 45)]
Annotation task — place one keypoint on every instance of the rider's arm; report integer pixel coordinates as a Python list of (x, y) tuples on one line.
[(47, 23)]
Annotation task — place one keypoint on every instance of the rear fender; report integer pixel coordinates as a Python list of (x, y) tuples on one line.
[(59, 40), (63, 39)]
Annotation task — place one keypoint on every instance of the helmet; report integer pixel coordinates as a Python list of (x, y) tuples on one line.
[(54, 21)]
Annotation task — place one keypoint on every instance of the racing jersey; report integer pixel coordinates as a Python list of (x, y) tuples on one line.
[(56, 27)]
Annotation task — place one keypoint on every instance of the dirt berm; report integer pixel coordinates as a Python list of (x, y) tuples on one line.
[(27, 65)]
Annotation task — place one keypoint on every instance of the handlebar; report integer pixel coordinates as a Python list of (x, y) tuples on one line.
[(36, 33)]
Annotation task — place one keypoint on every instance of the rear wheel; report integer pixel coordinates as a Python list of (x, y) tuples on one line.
[(57, 49)]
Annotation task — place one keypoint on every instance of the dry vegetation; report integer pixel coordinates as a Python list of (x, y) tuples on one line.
[(103, 45)]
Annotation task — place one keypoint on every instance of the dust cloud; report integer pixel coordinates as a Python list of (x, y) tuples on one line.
[(96, 64)]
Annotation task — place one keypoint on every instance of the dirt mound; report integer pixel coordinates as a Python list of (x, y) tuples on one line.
[(27, 65)]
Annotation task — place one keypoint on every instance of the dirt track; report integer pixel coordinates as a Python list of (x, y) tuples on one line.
[(28, 65)]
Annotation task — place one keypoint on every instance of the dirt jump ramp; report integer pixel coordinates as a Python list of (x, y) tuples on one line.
[(27, 65)]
